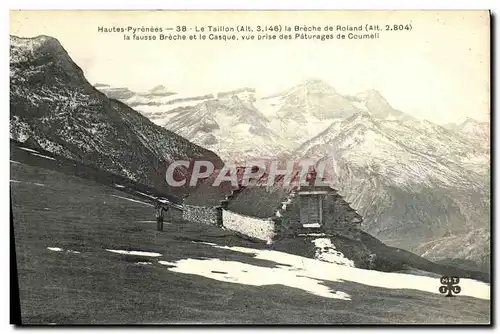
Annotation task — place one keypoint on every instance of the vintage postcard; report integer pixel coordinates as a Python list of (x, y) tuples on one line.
[(250, 167)]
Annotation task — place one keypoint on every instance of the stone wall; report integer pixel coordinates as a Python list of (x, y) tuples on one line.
[(288, 222), (338, 217), (253, 227), (200, 214)]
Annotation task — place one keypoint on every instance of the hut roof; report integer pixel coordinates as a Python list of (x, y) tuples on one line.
[(255, 199), (260, 200), (206, 194)]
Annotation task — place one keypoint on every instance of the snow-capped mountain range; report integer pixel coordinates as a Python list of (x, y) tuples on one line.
[(241, 124), (418, 185)]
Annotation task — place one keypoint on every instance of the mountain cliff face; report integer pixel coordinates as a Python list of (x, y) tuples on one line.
[(52, 103), (226, 122), (230, 126), (473, 130), (413, 182), (150, 98), (467, 250)]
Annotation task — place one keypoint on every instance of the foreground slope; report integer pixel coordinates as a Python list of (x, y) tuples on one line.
[(72, 239), (53, 105)]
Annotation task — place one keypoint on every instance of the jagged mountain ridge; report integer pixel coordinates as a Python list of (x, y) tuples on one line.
[(230, 126), (307, 109), (157, 102), (52, 103), (226, 122), (465, 250), (285, 120), (313, 97), (132, 98), (472, 129)]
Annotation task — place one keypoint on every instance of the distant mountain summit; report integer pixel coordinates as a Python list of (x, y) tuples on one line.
[(374, 103), (313, 98), (473, 129), (159, 90), (117, 93), (246, 94), (315, 86), (124, 94)]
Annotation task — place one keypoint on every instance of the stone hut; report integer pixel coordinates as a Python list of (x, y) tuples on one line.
[(273, 212)]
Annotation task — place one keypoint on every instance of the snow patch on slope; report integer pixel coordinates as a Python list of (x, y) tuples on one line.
[(310, 275), (326, 251)]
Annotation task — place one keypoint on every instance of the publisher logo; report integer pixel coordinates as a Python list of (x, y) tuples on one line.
[(450, 286)]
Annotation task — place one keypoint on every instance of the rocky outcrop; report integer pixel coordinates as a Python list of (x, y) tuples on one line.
[(52, 103)]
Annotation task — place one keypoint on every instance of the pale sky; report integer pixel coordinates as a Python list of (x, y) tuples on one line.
[(437, 71)]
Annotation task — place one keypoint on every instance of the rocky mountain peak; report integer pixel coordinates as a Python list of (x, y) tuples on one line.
[(42, 54), (316, 86), (471, 122), (360, 117), (371, 95), (52, 103), (32, 45), (235, 101), (159, 90), (375, 103), (475, 130)]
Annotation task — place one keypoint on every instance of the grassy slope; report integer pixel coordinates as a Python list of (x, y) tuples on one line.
[(97, 286), (89, 172)]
